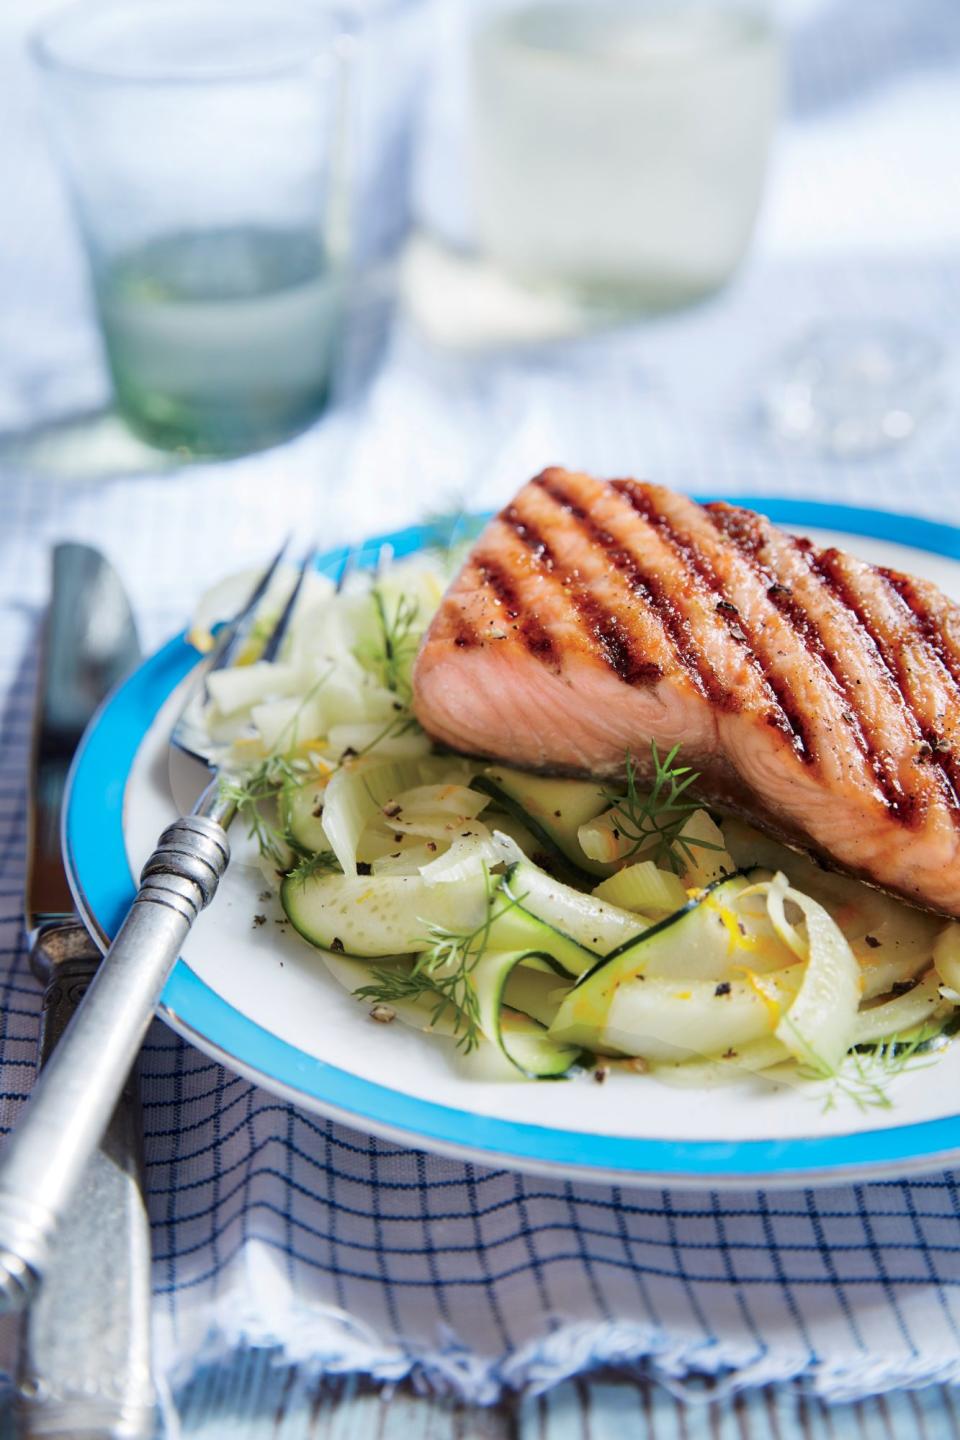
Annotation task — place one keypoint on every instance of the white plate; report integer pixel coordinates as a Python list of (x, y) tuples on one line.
[(254, 995)]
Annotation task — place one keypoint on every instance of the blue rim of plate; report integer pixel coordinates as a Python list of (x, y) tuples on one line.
[(104, 887)]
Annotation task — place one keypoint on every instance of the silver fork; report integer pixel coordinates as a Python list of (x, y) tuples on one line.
[(77, 1091)]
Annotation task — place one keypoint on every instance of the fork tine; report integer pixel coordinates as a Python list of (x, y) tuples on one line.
[(237, 631), (189, 733), (272, 648)]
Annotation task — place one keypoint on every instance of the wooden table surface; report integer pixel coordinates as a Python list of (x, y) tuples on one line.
[(253, 1399)]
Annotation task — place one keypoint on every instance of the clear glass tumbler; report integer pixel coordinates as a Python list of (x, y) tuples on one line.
[(620, 145), (204, 143)]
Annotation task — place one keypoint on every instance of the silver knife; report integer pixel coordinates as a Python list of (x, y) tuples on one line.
[(84, 1367)]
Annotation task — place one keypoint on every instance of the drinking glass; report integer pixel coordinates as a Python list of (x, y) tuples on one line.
[(203, 142), (620, 145)]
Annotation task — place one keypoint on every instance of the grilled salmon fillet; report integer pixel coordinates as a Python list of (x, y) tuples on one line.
[(818, 696)]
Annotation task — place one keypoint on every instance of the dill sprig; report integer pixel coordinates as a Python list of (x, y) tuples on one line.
[(323, 862), (865, 1072), (399, 638), (654, 819), (268, 784), (443, 970), (392, 986), (264, 792)]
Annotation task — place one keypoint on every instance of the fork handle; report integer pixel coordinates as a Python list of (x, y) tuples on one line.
[(76, 1093)]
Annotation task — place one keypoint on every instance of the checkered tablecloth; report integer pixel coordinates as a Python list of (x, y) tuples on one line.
[(273, 1226)]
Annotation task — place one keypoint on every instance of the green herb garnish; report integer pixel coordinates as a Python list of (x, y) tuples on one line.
[(654, 820), (324, 862), (261, 788), (267, 789), (443, 970), (269, 784), (865, 1072), (399, 637)]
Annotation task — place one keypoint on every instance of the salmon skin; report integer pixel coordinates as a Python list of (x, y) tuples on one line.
[(817, 695)]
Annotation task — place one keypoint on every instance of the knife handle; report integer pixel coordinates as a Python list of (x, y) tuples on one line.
[(84, 1367), (76, 1093)]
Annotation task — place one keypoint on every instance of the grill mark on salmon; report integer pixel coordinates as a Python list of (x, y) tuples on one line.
[(613, 640), (465, 635), (764, 626), (783, 714), (829, 565), (647, 586), (911, 594), (805, 685), (906, 802), (749, 534), (536, 639)]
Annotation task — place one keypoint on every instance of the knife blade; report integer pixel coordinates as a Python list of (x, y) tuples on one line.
[(90, 643), (84, 1364)]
